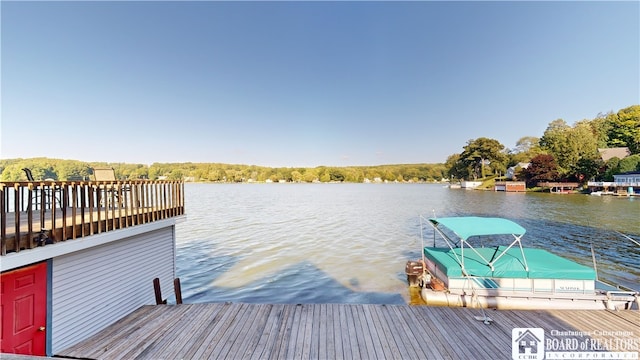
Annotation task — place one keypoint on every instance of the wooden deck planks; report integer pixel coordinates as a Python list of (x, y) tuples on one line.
[(285, 333), (254, 333), (401, 334), (263, 328), (473, 333), (631, 316), (189, 329), (441, 324), (303, 348), (341, 334), (329, 331), (239, 332), (320, 347), (367, 348), (236, 329), (157, 343), (382, 329), (217, 326), (140, 344), (415, 330), (122, 328), (201, 328)]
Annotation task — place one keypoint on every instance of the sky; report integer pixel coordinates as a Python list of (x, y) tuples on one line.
[(304, 84)]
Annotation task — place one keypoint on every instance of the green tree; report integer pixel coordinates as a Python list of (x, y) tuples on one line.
[(581, 151), (372, 174), (526, 148), (554, 140), (568, 144), (354, 175), (388, 175), (611, 168), (527, 144), (437, 172), (154, 172), (628, 164), (175, 174), (13, 172), (481, 152), (310, 175), (585, 169), (601, 127), (296, 176), (456, 169), (336, 174), (625, 129), (518, 173)]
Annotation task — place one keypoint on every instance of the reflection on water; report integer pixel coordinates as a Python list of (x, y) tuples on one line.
[(348, 243)]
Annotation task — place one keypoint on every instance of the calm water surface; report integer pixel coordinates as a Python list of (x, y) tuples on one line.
[(348, 243)]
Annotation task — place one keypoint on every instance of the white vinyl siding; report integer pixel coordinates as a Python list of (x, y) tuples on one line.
[(95, 287)]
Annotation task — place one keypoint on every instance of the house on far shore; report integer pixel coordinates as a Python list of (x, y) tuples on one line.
[(630, 181), (511, 172), (609, 153), (625, 184)]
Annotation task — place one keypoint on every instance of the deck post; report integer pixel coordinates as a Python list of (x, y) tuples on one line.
[(158, 292), (177, 289)]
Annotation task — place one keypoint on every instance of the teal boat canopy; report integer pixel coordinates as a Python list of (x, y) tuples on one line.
[(468, 226), (530, 263)]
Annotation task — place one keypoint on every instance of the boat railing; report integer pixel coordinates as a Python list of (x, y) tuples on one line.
[(35, 213), (542, 286), (614, 290), (551, 286)]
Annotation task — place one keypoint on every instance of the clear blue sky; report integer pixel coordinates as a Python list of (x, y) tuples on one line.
[(305, 83)]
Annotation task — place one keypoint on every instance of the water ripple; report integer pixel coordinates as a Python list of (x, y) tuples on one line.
[(348, 243)]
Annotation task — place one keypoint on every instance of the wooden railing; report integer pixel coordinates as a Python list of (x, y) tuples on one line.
[(558, 186), (43, 212)]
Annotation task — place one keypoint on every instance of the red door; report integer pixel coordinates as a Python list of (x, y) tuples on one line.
[(23, 296)]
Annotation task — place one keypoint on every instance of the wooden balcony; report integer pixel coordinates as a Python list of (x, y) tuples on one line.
[(38, 213)]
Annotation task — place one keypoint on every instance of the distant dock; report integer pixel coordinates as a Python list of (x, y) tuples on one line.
[(340, 331)]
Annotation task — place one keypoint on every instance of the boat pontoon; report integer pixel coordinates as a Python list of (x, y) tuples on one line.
[(471, 271)]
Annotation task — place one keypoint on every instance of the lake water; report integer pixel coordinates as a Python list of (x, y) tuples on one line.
[(348, 243)]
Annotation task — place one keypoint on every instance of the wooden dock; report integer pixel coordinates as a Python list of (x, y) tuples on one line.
[(340, 331)]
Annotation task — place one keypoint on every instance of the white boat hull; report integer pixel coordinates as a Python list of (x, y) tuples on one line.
[(527, 302)]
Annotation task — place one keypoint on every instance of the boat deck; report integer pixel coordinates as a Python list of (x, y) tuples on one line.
[(339, 331)]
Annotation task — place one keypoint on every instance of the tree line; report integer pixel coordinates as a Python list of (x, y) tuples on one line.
[(563, 153), (56, 169)]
